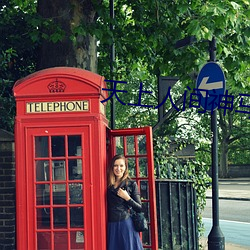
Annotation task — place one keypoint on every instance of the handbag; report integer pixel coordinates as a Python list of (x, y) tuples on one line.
[(139, 221)]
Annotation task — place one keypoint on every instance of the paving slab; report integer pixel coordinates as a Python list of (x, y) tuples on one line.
[(228, 246)]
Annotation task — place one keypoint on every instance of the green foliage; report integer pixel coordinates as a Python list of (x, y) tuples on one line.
[(17, 54), (15, 29), (7, 106), (193, 170), (235, 131), (148, 30), (145, 34)]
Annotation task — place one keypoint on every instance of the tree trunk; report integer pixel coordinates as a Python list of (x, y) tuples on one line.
[(223, 166), (75, 49), (226, 130)]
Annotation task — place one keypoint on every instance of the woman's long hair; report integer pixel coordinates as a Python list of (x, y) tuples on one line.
[(111, 175)]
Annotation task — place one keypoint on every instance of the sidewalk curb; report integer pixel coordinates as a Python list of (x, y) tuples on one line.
[(243, 179), (230, 198)]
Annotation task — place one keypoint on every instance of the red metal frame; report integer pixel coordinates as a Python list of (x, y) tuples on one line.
[(135, 133), (32, 184), (91, 124), (62, 85)]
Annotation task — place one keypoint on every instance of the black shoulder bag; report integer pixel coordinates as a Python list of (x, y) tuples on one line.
[(139, 220)]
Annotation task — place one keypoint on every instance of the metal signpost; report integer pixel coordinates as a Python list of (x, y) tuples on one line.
[(211, 84)]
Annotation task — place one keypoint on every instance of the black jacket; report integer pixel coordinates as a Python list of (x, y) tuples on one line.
[(118, 208)]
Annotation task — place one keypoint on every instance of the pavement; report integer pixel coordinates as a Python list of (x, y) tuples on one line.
[(228, 246), (243, 194)]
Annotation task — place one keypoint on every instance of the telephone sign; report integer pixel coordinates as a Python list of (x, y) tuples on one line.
[(49, 107)]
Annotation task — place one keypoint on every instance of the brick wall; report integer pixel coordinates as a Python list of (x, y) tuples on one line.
[(7, 192)]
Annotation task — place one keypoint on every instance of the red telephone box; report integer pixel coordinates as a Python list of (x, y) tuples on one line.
[(62, 146)]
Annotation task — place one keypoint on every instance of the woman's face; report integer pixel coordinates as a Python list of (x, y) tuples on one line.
[(119, 168)]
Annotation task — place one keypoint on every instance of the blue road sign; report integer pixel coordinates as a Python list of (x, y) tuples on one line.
[(210, 85)]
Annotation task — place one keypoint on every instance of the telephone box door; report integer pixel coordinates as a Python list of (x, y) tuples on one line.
[(59, 188), (136, 145)]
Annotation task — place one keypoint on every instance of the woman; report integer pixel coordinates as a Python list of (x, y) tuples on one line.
[(122, 195)]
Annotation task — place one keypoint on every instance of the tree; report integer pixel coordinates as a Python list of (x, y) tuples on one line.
[(67, 37), (234, 129), (156, 26), (145, 35), (48, 33), (203, 21)]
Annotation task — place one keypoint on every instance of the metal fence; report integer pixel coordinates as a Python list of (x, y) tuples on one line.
[(176, 210)]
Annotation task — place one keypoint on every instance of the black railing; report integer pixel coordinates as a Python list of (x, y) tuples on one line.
[(176, 211)]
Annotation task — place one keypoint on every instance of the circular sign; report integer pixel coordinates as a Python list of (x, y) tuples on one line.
[(210, 85)]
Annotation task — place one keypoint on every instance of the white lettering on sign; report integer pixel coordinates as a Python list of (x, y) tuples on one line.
[(49, 107)]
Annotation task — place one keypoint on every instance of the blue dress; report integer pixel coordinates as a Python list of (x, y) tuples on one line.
[(122, 236), (121, 232)]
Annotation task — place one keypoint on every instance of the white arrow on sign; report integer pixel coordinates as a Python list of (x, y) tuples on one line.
[(210, 86)]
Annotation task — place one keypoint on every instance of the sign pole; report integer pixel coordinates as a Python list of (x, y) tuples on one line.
[(112, 61), (216, 240)]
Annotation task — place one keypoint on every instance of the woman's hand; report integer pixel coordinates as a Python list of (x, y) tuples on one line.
[(123, 194)]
